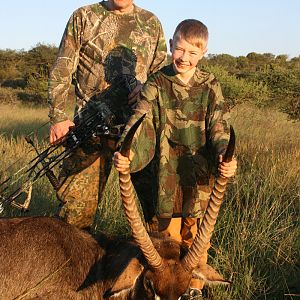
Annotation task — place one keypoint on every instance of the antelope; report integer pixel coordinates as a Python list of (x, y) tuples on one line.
[(46, 258)]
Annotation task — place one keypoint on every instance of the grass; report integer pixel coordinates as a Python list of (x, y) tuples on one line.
[(256, 243), (257, 236), (17, 121)]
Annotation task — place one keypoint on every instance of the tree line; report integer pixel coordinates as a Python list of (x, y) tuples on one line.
[(263, 79)]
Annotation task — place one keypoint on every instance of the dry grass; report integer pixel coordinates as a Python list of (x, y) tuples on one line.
[(257, 239)]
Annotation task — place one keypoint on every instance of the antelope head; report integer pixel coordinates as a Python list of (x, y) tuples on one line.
[(169, 278)]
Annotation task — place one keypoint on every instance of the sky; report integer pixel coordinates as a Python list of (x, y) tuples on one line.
[(236, 27)]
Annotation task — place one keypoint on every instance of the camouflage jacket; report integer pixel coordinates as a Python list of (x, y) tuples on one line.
[(184, 131), (98, 45)]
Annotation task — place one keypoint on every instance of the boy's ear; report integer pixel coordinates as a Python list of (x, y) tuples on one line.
[(204, 51), (171, 44)]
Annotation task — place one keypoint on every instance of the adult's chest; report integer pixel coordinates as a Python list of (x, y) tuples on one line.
[(113, 40)]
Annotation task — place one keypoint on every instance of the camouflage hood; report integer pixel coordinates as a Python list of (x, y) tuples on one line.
[(196, 81)]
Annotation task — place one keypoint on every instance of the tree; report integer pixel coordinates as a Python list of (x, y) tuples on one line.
[(281, 60), (10, 62), (225, 60), (38, 62)]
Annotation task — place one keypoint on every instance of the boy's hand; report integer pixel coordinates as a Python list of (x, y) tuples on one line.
[(122, 163), (227, 169)]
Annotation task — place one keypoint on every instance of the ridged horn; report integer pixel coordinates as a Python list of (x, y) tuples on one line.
[(205, 230), (139, 232)]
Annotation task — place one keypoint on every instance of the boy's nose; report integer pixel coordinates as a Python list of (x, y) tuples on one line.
[(184, 56)]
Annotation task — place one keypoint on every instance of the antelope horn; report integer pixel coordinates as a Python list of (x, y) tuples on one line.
[(205, 230), (139, 232)]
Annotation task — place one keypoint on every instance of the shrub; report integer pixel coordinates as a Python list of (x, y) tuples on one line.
[(9, 95), (240, 90)]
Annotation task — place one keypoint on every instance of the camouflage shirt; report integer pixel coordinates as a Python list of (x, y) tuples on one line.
[(184, 131), (98, 45)]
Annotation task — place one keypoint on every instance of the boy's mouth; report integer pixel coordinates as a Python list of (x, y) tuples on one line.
[(181, 65)]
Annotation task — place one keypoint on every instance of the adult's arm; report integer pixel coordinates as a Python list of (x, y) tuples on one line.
[(60, 78)]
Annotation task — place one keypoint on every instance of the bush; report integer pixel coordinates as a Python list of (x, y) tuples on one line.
[(240, 90), (293, 109), (9, 95)]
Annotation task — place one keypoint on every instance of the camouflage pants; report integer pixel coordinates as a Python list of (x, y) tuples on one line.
[(82, 181), (184, 229)]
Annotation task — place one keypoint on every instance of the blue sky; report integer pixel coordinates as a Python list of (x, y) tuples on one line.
[(236, 27)]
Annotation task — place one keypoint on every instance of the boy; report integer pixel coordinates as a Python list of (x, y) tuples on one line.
[(185, 132)]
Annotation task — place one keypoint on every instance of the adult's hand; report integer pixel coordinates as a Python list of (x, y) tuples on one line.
[(59, 130)]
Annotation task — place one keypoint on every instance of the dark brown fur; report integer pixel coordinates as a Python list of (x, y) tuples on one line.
[(46, 258)]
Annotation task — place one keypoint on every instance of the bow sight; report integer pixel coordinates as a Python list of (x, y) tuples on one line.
[(104, 116)]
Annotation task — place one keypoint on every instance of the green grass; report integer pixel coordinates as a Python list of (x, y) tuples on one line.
[(256, 243)]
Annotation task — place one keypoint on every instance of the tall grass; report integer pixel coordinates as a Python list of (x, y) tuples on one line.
[(17, 122), (256, 244)]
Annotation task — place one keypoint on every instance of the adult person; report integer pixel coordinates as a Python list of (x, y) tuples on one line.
[(102, 42)]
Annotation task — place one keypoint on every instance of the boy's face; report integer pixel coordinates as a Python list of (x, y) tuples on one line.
[(185, 56)]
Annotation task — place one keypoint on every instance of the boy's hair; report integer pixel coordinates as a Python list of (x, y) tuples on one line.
[(193, 31)]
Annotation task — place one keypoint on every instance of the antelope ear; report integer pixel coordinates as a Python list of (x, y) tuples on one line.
[(209, 275), (127, 279)]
